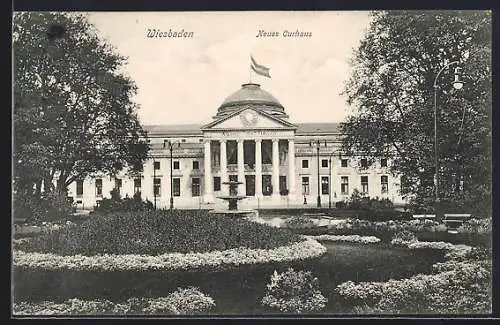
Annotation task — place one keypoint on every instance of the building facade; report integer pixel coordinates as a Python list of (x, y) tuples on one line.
[(250, 140)]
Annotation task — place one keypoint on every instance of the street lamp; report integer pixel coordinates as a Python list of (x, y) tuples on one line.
[(331, 180), (318, 145), (457, 84), (171, 145)]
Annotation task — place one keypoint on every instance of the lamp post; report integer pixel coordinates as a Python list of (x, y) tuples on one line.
[(154, 179), (171, 145), (457, 84), (331, 181), (318, 145)]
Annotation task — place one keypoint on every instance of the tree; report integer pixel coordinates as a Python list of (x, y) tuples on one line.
[(73, 109), (391, 92)]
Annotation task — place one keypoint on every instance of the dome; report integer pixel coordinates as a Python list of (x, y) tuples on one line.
[(252, 96)]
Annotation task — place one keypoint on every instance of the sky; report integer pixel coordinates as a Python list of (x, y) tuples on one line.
[(185, 80)]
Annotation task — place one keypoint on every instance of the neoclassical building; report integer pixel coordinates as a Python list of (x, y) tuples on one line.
[(251, 139)]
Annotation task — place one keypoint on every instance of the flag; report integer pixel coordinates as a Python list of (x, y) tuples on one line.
[(259, 69)]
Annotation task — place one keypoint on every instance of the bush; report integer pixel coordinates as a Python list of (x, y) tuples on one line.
[(117, 204), (49, 207), (476, 226), (299, 222), (188, 301), (341, 204), (154, 233), (403, 238), (294, 292)]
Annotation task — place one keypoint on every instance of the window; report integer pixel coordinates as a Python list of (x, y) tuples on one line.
[(177, 186), (324, 163), (325, 188), (267, 187), (157, 165), (383, 162), (79, 187), (305, 163), (250, 185), (305, 185), (364, 163), (384, 184), (283, 188), (137, 185), (98, 187), (344, 185), (157, 187), (176, 164), (343, 162), (196, 165), (195, 187), (267, 151), (216, 183), (232, 152), (364, 184)]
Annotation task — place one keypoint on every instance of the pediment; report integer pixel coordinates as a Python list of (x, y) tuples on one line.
[(249, 118)]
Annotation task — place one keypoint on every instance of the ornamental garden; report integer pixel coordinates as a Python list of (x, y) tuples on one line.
[(190, 262)]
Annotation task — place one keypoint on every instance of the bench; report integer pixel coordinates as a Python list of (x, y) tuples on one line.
[(455, 220)]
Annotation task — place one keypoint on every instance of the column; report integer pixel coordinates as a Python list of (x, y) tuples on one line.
[(291, 170), (208, 180), (258, 168), (276, 170), (241, 168), (223, 168)]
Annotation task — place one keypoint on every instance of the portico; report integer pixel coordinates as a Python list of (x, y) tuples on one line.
[(260, 159)]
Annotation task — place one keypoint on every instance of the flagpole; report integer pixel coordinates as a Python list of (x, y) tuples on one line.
[(250, 75)]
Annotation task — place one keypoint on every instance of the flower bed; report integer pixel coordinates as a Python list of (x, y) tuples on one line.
[(460, 289), (170, 261), (460, 285), (187, 301), (157, 233), (347, 238)]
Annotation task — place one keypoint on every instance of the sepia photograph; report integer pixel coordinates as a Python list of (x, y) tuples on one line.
[(251, 163)]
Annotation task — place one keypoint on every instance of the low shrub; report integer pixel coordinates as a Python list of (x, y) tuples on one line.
[(116, 204), (348, 238), (476, 226), (404, 238), (298, 222), (188, 301), (154, 233), (48, 207), (294, 292)]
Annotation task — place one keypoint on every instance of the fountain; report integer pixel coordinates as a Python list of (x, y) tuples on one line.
[(233, 199)]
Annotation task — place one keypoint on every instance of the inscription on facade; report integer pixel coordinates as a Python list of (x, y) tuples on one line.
[(248, 134)]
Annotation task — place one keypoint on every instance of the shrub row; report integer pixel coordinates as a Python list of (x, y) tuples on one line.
[(184, 301), (347, 238), (171, 261), (408, 239), (155, 233)]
